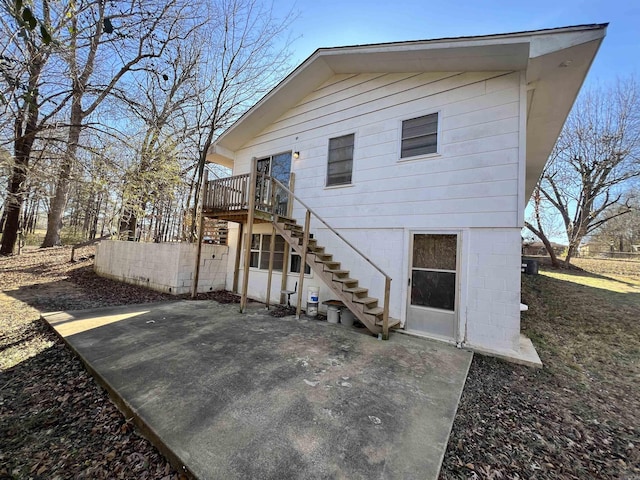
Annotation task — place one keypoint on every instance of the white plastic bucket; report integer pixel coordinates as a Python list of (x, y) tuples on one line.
[(333, 313), (346, 317), (313, 296), (312, 309)]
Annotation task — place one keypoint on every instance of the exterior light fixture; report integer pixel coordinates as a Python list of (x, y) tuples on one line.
[(296, 155)]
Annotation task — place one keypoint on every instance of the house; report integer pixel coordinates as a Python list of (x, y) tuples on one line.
[(538, 248), (399, 173)]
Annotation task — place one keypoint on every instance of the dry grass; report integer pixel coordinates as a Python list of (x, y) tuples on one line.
[(607, 266)]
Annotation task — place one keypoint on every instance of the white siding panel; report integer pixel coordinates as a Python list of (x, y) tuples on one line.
[(466, 119), (401, 97), (471, 182), (481, 130)]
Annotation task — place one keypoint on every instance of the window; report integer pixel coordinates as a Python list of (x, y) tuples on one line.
[(295, 261), (419, 136), (260, 246), (433, 271), (340, 160)]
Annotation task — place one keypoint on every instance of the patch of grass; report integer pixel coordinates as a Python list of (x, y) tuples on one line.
[(68, 236), (578, 416)]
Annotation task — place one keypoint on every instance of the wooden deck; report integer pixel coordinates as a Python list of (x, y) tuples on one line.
[(257, 198)]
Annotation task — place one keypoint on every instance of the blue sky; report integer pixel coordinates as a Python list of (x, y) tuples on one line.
[(329, 23)]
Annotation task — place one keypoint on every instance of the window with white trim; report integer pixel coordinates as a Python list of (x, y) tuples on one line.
[(340, 162), (260, 247), (419, 136)]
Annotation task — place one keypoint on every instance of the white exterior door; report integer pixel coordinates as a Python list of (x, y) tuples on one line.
[(433, 285)]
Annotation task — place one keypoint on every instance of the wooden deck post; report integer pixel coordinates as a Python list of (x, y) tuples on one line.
[(196, 271), (287, 248), (272, 247), (303, 261), (236, 268), (385, 313), (272, 243), (247, 248)]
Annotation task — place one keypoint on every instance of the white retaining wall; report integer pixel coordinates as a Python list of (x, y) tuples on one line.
[(165, 267)]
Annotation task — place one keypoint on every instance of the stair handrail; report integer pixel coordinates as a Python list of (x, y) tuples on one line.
[(387, 278), (291, 194)]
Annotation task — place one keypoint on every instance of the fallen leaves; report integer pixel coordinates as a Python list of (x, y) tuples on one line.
[(55, 421), (576, 418)]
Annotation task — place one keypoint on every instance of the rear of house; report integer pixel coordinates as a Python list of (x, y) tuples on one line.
[(422, 155)]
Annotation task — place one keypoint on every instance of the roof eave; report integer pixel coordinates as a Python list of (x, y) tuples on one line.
[(521, 51)]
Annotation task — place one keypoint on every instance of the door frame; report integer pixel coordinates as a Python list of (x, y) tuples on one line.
[(459, 233)]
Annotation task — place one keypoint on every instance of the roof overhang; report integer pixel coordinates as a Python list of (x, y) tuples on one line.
[(556, 62)]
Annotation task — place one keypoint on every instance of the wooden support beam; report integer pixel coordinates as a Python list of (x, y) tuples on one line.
[(272, 248), (385, 313), (285, 257), (247, 247), (303, 261), (236, 267)]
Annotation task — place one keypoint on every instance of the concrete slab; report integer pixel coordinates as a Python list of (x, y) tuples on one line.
[(252, 396)]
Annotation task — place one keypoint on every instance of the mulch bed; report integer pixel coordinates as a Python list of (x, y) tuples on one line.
[(56, 422)]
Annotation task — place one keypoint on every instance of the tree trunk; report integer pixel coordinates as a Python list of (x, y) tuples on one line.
[(15, 194), (59, 201), (547, 244), (13, 206)]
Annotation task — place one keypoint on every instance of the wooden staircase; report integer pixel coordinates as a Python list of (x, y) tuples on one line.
[(344, 288), (258, 198)]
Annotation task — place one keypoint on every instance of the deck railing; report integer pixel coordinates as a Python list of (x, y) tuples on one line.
[(226, 194), (309, 215), (271, 196), (232, 194)]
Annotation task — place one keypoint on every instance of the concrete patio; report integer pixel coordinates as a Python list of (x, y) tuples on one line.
[(231, 396)]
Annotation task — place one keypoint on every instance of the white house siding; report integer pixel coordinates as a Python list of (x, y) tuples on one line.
[(492, 318), (472, 183)]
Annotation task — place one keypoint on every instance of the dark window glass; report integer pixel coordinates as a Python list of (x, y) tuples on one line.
[(419, 136), (433, 289), (295, 264), (340, 162)]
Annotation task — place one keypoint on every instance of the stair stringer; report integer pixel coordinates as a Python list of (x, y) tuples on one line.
[(327, 277)]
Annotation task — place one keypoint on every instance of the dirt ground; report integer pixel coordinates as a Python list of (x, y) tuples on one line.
[(575, 418)]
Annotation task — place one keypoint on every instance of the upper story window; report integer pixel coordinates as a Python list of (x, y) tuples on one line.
[(419, 136), (340, 162)]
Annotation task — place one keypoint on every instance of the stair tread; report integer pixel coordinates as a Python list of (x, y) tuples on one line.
[(337, 271), (355, 290), (345, 279), (374, 311), (365, 300), (393, 322), (326, 260)]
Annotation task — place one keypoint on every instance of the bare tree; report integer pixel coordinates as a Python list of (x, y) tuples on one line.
[(121, 36), (164, 109), (589, 176), (249, 54), (623, 231), (24, 57)]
